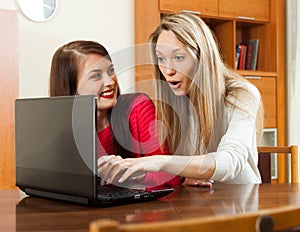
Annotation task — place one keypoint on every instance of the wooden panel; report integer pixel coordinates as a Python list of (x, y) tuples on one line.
[(9, 90), (225, 35), (267, 88), (147, 17), (279, 45), (203, 7), (257, 10)]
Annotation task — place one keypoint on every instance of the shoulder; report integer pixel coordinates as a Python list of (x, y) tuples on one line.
[(244, 93), (252, 90), (132, 98), (133, 105), (142, 107)]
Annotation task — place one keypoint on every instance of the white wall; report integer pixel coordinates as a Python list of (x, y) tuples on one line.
[(293, 71), (109, 22)]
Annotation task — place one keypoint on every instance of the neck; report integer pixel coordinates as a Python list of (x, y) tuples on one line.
[(102, 120)]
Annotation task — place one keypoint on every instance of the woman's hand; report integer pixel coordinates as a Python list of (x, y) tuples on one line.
[(198, 183), (115, 169)]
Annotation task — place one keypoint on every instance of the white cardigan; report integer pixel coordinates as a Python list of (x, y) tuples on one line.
[(236, 157)]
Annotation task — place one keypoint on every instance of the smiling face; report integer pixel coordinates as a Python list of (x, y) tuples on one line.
[(175, 62), (96, 76)]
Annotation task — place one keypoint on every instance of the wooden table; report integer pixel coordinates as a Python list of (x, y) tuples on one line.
[(19, 213)]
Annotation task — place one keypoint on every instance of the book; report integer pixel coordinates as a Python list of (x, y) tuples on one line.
[(255, 43), (246, 55), (249, 54), (242, 58), (237, 57)]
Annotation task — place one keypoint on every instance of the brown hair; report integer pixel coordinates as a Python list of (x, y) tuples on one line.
[(65, 62)]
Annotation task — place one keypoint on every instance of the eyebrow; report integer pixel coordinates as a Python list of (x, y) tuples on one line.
[(173, 51), (95, 71), (100, 70)]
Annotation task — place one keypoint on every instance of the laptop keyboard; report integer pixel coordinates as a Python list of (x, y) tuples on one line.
[(112, 191)]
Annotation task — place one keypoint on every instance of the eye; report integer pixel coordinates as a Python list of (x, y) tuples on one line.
[(179, 58), (160, 59), (111, 71), (97, 75)]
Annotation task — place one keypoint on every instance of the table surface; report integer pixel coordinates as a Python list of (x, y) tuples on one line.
[(25, 213)]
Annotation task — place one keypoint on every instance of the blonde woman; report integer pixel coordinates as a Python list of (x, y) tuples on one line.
[(212, 117)]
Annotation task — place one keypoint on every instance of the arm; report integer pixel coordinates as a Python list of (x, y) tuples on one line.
[(223, 165), (144, 140), (236, 156), (189, 166)]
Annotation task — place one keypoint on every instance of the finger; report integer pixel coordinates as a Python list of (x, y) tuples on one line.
[(118, 168), (109, 170), (205, 184), (104, 169), (130, 172), (104, 159), (198, 183)]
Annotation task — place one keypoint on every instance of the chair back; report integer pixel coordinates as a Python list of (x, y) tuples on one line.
[(233, 223), (264, 163), (279, 219)]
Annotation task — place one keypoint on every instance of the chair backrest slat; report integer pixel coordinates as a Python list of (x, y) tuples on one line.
[(264, 161), (262, 220)]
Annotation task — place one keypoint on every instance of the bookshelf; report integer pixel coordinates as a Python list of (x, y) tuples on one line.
[(232, 22)]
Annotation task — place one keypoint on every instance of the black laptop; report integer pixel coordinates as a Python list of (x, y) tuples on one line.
[(56, 153)]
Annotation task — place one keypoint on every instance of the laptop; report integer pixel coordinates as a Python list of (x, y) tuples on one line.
[(56, 153)]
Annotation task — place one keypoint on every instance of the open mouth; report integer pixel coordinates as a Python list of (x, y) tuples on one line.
[(107, 94), (174, 84)]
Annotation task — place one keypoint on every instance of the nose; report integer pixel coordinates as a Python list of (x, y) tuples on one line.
[(108, 80), (170, 71)]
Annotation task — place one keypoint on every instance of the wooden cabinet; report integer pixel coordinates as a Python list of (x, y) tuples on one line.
[(267, 87), (257, 10), (200, 7)]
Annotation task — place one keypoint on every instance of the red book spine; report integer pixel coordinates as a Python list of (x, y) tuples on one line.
[(249, 56)]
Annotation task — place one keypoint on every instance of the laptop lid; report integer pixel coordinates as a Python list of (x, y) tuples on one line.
[(56, 152), (55, 145)]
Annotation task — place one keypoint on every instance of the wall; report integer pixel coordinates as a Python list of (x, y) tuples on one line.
[(109, 22), (293, 71)]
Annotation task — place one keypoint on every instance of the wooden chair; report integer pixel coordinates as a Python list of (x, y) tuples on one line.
[(280, 219), (237, 223), (264, 163)]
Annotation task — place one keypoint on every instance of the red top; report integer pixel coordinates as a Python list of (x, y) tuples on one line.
[(144, 141)]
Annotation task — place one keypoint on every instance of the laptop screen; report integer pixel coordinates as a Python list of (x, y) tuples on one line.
[(55, 144)]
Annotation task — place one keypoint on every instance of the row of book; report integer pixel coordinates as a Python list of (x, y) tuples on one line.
[(246, 55)]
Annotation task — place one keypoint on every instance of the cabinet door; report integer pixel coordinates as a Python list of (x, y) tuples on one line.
[(203, 7), (257, 10), (267, 88)]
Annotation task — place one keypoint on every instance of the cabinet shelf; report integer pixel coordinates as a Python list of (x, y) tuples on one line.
[(251, 73)]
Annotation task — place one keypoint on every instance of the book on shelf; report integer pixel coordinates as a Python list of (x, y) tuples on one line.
[(242, 58), (249, 55), (246, 55), (255, 43), (237, 57)]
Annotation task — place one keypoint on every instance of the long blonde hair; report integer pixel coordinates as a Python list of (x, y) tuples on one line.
[(214, 85)]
